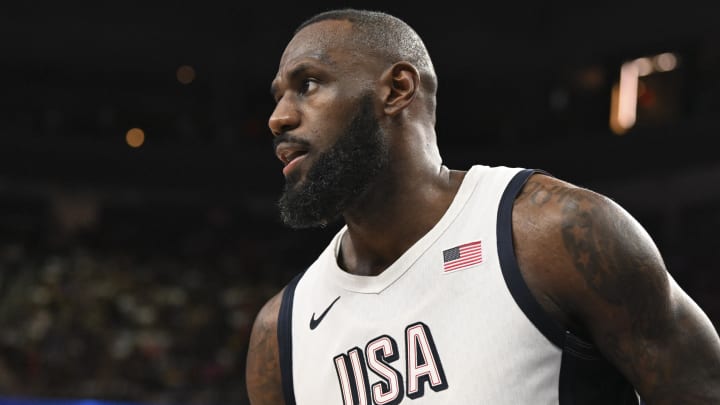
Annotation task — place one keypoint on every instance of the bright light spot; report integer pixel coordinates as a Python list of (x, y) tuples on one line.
[(185, 74), (665, 62), (623, 104), (627, 99), (644, 66), (614, 126), (135, 137)]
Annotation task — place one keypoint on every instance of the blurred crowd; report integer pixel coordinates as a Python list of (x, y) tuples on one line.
[(134, 310)]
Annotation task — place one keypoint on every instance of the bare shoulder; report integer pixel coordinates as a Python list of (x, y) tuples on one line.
[(594, 267), (572, 241), (262, 371)]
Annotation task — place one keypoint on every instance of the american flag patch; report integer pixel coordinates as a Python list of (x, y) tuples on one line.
[(460, 257)]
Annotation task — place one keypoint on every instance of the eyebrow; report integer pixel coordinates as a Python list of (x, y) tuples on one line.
[(292, 75), (298, 70)]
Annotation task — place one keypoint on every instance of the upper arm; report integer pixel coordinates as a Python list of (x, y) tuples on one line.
[(264, 384), (585, 256)]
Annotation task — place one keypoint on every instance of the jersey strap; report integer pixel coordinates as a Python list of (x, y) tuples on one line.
[(284, 336), (511, 272)]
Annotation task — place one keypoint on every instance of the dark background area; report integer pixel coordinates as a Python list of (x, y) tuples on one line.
[(134, 273)]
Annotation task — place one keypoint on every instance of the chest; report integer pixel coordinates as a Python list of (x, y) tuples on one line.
[(431, 336)]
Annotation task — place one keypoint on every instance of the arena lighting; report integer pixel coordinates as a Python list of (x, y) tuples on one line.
[(644, 65), (623, 109), (665, 62), (624, 98), (185, 74), (135, 137)]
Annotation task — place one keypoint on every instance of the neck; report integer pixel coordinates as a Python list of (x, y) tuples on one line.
[(395, 213)]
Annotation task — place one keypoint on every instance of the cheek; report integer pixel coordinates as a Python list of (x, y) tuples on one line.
[(328, 118), (324, 134)]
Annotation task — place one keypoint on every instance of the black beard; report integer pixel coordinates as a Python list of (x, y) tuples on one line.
[(340, 176)]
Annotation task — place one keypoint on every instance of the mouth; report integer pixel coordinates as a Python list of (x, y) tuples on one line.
[(290, 155)]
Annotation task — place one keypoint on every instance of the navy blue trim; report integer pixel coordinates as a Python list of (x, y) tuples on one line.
[(586, 378), (510, 269), (284, 336)]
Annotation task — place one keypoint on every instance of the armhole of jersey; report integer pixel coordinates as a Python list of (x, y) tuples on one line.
[(284, 336), (510, 269), (585, 376)]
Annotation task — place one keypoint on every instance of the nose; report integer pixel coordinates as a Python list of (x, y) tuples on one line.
[(284, 118)]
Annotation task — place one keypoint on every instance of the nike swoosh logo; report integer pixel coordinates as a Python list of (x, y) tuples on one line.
[(315, 322)]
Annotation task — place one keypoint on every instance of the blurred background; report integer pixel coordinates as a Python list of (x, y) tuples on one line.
[(138, 228)]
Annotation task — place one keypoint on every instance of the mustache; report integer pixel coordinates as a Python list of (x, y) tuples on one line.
[(287, 138)]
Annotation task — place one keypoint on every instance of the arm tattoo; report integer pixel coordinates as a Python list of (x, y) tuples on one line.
[(612, 267), (659, 341), (539, 194)]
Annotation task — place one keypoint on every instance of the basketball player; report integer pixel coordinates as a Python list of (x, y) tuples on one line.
[(495, 285)]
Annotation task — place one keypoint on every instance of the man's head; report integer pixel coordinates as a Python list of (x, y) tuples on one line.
[(384, 35), (349, 83)]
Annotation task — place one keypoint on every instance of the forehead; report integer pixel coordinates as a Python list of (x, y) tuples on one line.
[(322, 41)]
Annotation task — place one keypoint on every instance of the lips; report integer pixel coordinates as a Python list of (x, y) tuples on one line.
[(290, 155)]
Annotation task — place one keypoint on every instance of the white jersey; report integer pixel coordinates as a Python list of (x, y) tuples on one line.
[(450, 322)]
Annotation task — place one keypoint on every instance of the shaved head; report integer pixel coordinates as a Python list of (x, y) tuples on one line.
[(385, 37)]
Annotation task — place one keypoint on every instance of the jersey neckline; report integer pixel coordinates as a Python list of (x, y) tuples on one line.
[(376, 284)]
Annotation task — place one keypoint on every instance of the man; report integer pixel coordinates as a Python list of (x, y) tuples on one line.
[(495, 285)]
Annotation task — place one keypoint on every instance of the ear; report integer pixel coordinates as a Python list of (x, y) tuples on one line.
[(403, 83)]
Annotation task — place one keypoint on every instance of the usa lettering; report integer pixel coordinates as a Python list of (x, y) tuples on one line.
[(423, 368)]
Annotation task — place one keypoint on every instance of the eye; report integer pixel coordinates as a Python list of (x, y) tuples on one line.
[(307, 86)]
